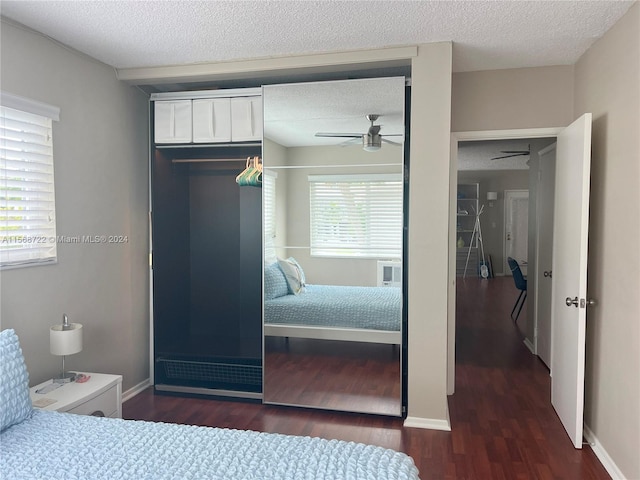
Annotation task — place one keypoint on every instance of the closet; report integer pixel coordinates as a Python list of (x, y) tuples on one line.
[(206, 243)]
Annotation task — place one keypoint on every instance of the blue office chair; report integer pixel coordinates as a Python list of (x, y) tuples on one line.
[(521, 284)]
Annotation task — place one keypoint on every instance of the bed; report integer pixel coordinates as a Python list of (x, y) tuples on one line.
[(330, 312), (38, 444)]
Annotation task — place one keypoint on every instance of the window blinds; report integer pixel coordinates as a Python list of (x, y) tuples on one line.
[(27, 201), (356, 215), (269, 204)]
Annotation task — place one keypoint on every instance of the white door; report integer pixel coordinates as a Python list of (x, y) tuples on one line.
[(569, 290), (544, 234), (516, 227)]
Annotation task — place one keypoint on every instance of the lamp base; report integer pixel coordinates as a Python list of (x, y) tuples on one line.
[(65, 378)]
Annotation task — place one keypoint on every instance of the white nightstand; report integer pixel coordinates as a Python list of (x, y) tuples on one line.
[(101, 395)]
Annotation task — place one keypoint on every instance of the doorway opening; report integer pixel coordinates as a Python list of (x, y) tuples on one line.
[(493, 178)]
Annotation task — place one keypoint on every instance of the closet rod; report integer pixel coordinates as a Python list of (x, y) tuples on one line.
[(354, 165), (207, 160)]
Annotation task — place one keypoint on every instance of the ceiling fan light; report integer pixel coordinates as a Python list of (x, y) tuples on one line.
[(371, 143)]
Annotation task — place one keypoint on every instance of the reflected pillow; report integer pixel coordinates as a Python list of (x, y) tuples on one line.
[(275, 283), (15, 402), (294, 274)]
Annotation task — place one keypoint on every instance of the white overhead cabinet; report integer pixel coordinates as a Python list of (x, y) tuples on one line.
[(246, 119), (214, 119), (173, 121)]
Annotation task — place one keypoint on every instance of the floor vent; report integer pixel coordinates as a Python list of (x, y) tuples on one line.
[(217, 372)]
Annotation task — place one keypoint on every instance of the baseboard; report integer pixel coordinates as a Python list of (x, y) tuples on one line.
[(428, 423), (530, 346), (606, 461), (135, 390)]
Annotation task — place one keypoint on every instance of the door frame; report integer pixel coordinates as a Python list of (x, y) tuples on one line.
[(536, 280), (456, 138), (505, 265)]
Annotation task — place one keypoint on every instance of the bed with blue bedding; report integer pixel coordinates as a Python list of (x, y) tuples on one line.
[(64, 446), (332, 312)]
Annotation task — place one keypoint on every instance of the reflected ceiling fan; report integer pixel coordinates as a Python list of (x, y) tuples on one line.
[(514, 153), (371, 140)]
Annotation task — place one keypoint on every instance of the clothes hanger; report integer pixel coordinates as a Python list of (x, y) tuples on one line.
[(252, 175)]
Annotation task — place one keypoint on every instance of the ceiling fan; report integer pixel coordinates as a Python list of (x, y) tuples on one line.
[(371, 140), (514, 153)]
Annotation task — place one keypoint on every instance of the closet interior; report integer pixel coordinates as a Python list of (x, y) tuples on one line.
[(206, 249)]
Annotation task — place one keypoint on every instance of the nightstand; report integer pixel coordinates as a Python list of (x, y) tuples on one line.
[(101, 396)]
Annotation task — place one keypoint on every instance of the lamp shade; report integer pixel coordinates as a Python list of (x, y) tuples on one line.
[(492, 195), (65, 339)]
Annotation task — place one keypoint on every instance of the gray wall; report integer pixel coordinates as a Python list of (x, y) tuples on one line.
[(101, 182), (607, 80)]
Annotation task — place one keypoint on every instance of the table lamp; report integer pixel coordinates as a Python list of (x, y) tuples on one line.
[(65, 339)]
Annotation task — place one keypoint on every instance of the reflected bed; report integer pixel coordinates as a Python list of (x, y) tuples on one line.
[(330, 312)]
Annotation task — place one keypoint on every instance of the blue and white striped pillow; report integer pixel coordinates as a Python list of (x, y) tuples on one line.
[(15, 403)]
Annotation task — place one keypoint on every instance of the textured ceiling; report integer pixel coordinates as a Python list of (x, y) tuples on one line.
[(477, 155), (294, 113), (486, 34)]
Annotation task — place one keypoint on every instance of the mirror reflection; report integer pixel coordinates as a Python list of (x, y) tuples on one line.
[(333, 230)]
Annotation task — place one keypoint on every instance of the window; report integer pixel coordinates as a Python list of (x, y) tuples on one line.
[(27, 201), (356, 215), (269, 192)]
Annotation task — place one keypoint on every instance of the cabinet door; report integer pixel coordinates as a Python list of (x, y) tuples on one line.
[(172, 121), (246, 119), (212, 120)]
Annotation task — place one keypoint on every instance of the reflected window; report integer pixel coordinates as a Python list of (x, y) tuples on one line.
[(356, 215), (269, 205)]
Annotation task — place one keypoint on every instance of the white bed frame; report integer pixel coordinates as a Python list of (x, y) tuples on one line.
[(333, 333)]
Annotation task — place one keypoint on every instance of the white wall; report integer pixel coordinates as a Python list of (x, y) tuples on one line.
[(607, 84), (100, 162), (275, 154), (428, 265)]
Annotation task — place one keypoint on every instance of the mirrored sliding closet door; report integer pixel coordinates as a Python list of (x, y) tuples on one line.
[(333, 238)]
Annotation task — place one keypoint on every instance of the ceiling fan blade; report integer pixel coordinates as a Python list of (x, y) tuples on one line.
[(339, 135), (392, 135), (509, 156), (351, 141), (391, 142)]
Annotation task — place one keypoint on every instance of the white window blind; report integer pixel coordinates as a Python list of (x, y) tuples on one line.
[(27, 201), (269, 205), (356, 215)]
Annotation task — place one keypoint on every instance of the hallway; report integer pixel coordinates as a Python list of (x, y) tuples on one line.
[(501, 415)]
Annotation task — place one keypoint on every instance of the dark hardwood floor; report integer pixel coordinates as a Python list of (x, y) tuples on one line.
[(503, 424), (352, 376)]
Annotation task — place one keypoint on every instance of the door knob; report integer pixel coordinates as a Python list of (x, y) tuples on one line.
[(547, 274), (569, 301)]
